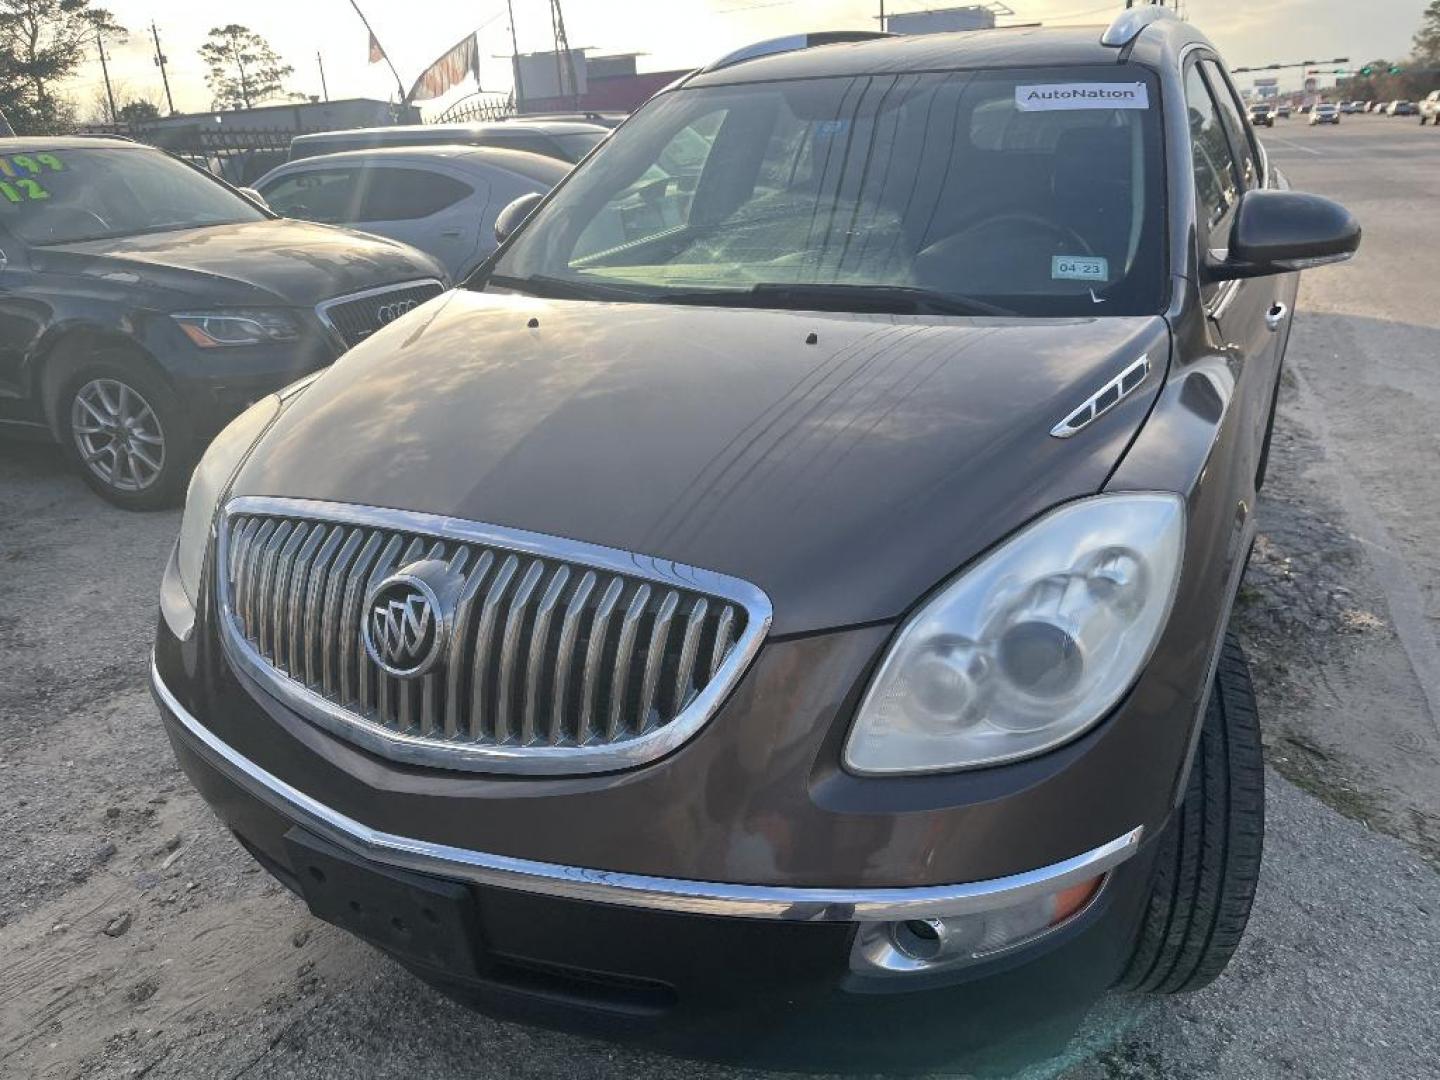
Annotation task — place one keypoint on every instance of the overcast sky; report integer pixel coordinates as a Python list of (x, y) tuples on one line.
[(673, 34)]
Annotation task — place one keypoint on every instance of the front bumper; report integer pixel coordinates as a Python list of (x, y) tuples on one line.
[(755, 973)]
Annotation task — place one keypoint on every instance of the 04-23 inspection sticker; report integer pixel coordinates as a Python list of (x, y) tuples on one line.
[(20, 173)]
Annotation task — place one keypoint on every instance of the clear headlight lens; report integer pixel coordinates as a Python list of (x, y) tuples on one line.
[(1029, 647), (257, 326), (212, 476)]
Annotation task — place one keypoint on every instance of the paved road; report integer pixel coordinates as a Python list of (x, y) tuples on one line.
[(218, 973)]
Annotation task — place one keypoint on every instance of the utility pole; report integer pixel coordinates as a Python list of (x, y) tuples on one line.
[(324, 90), (882, 16), (105, 69), (562, 49), (160, 59), (515, 60)]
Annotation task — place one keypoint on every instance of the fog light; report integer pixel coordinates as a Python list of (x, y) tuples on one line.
[(937, 943)]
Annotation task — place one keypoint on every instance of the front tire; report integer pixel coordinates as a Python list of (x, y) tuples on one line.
[(126, 432), (1209, 859)]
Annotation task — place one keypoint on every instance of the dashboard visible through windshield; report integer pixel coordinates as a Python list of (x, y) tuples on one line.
[(1031, 192)]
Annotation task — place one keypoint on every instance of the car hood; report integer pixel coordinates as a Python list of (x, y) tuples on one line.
[(263, 262), (845, 477)]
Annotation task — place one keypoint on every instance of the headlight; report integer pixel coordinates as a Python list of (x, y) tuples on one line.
[(1029, 647), (218, 329), (212, 476)]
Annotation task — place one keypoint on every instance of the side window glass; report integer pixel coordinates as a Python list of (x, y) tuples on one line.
[(1235, 124), (407, 194), (330, 196), (1216, 185)]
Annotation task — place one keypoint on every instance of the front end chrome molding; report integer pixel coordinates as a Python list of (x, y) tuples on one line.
[(635, 890)]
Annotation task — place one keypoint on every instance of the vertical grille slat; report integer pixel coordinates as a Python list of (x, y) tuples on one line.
[(334, 600), (252, 571), (565, 655), (591, 679), (455, 664), (624, 652), (539, 653), (724, 639), (655, 658), (348, 630), (265, 588), (314, 644), (510, 648), (481, 722), (689, 650)]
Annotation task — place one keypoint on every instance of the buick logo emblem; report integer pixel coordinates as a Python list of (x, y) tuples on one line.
[(385, 314), (404, 622)]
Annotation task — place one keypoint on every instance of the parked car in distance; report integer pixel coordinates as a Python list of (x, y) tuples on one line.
[(1401, 108), (143, 303), (441, 199), (1325, 113), (1262, 115), (1283, 110), (751, 634), (564, 140), (1430, 109)]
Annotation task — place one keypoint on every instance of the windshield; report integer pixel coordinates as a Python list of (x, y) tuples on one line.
[(62, 196), (1036, 192)]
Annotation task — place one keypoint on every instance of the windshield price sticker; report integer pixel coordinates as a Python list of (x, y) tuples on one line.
[(1049, 97), (1079, 268), (17, 173)]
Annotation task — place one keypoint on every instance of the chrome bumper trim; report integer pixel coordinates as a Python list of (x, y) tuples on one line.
[(633, 890)]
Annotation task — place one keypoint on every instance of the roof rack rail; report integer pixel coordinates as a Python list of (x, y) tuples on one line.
[(793, 43), (1127, 25)]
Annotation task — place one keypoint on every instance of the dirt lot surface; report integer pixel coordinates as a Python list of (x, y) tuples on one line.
[(136, 939)]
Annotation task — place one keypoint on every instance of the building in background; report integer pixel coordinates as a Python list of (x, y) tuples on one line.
[(947, 20), (608, 83)]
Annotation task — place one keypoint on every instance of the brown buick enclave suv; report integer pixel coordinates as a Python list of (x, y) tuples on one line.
[(777, 610)]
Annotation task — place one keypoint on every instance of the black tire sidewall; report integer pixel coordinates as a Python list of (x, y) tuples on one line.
[(169, 488), (1207, 865)]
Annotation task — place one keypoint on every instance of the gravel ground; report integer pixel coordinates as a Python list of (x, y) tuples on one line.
[(136, 939)]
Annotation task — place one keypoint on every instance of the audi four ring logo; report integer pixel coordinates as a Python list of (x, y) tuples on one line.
[(388, 313)]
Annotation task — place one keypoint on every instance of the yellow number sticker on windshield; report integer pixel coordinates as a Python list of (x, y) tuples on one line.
[(26, 162), (51, 162), (9, 192)]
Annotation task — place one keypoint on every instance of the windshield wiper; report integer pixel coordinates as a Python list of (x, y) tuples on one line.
[(565, 289), (851, 297)]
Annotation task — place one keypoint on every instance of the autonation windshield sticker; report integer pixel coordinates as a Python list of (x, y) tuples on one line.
[(1051, 96), (1079, 268)]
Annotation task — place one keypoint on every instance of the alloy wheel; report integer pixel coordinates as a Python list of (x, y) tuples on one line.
[(117, 434)]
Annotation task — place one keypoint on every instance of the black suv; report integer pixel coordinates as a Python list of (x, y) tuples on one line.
[(779, 607), (143, 303)]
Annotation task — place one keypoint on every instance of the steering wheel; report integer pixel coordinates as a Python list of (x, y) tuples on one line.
[(1025, 220)]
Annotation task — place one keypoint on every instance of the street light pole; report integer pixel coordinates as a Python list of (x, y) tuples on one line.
[(324, 90)]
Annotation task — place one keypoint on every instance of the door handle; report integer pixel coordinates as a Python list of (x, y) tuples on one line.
[(450, 234), (1275, 317)]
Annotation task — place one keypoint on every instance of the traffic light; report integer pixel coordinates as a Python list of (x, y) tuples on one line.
[(1367, 70), (1395, 69)]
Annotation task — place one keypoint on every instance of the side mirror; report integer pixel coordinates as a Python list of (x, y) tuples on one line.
[(1276, 232), (254, 196), (514, 215)]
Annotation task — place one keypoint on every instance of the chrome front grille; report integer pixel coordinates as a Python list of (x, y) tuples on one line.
[(355, 317), (556, 657)]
